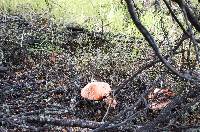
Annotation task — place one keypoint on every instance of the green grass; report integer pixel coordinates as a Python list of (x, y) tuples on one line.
[(93, 14)]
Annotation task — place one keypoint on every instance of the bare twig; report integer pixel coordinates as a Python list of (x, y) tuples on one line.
[(166, 112), (162, 116), (191, 17), (196, 47), (175, 18), (106, 114)]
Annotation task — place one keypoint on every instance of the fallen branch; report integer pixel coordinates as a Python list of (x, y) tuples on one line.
[(166, 112), (64, 122), (162, 116)]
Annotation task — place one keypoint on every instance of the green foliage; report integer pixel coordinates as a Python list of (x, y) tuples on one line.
[(101, 16), (49, 48), (96, 15)]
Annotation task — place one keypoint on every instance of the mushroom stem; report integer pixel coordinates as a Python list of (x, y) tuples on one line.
[(110, 101)]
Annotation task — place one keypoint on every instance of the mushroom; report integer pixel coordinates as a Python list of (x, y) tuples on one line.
[(98, 91), (156, 93), (160, 98)]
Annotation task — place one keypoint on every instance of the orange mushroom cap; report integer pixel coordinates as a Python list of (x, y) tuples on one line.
[(96, 90)]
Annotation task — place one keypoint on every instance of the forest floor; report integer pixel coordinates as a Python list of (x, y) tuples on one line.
[(46, 82)]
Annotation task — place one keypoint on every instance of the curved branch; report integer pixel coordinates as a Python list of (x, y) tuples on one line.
[(145, 66), (175, 18), (152, 42), (193, 20)]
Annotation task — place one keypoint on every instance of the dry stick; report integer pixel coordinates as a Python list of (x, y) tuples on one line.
[(35, 119), (166, 111), (193, 20), (162, 116), (175, 18), (153, 44), (191, 17), (185, 108), (106, 114), (127, 120), (136, 114), (63, 122), (11, 123), (124, 83), (185, 128), (22, 39)]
